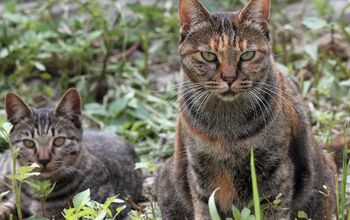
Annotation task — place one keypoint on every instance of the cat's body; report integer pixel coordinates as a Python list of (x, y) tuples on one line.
[(230, 104), (105, 160), (103, 163)]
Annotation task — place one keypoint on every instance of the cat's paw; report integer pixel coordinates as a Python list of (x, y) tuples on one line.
[(5, 209)]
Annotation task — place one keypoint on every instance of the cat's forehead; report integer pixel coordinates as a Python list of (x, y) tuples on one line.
[(224, 34), (43, 112), (43, 116), (222, 17)]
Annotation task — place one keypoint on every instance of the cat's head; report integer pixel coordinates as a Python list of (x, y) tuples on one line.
[(226, 53), (45, 136)]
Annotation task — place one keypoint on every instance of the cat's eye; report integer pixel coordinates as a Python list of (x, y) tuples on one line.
[(58, 142), (28, 143), (247, 55), (210, 57)]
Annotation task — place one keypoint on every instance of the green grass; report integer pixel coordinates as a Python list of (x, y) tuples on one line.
[(256, 198)]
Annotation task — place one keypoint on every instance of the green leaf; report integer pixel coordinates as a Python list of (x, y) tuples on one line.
[(147, 165), (314, 23), (24, 172), (345, 83), (27, 169), (5, 128), (101, 215), (252, 217), (120, 209), (3, 194), (81, 199), (302, 215), (245, 213), (4, 53), (236, 213), (118, 106), (312, 51), (95, 109), (15, 17), (45, 76), (42, 188), (39, 66), (212, 206)]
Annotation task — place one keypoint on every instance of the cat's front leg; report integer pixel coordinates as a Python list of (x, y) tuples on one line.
[(6, 208), (201, 210)]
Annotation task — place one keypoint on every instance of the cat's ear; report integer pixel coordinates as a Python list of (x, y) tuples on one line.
[(69, 104), (256, 11), (16, 108), (192, 12)]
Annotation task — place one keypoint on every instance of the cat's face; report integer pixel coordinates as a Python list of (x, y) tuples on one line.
[(48, 137), (225, 53)]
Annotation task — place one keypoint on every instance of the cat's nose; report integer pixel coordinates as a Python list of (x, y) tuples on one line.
[(229, 74), (44, 161), (229, 79)]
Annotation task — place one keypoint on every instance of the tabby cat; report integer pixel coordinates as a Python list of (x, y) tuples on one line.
[(233, 98), (73, 159)]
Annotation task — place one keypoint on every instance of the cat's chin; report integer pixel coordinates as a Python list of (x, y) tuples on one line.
[(228, 96)]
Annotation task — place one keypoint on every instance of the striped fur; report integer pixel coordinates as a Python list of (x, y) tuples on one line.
[(102, 162), (227, 106)]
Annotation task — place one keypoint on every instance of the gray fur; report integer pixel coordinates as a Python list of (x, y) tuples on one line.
[(102, 162)]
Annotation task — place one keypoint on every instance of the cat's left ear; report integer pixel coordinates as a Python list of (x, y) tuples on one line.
[(256, 11), (69, 104)]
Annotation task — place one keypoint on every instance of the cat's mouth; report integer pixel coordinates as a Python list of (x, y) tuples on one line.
[(229, 95)]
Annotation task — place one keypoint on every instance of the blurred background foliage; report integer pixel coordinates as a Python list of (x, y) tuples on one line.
[(122, 56)]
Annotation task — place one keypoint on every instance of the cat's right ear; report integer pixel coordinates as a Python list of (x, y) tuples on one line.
[(16, 108), (69, 104), (191, 13)]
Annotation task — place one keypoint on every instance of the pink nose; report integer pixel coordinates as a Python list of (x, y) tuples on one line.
[(229, 79)]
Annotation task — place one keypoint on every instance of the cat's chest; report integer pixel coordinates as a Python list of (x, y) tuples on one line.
[(227, 166), (274, 142)]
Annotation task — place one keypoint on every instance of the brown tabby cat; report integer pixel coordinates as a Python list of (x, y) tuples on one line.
[(232, 97), (76, 161)]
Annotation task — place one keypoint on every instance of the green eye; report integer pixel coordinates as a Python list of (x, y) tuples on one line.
[(28, 143), (58, 142), (210, 57), (248, 55)]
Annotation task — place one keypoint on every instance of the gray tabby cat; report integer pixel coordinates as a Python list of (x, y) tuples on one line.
[(75, 160), (232, 98)]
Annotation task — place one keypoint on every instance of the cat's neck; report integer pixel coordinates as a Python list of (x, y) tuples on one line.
[(231, 120)]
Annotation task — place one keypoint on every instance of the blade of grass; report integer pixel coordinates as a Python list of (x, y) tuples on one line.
[(212, 207), (336, 196), (344, 176), (256, 199)]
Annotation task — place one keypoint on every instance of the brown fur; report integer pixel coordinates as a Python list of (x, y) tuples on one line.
[(228, 105)]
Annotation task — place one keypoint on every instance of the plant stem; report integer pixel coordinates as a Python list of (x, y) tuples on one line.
[(14, 184), (337, 196), (256, 198), (344, 177)]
